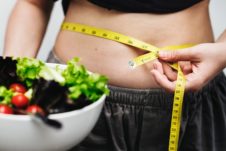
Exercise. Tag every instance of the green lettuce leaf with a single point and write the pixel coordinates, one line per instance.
(28, 69)
(80, 82)
(5, 95)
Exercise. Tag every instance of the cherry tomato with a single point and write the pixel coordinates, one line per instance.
(5, 109)
(35, 109)
(17, 87)
(20, 100)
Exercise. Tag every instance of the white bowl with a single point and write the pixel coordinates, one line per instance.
(23, 133)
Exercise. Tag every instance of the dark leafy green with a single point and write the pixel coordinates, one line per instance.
(8, 71)
(50, 95)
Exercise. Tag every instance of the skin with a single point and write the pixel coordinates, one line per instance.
(107, 57)
(203, 66)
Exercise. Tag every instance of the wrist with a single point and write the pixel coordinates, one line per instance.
(222, 46)
(18, 53)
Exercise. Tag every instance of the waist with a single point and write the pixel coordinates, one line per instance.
(111, 58)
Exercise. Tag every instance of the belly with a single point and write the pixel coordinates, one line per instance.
(111, 58)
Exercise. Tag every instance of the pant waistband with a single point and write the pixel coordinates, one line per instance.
(140, 97)
(159, 97)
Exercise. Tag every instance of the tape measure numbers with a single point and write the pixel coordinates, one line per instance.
(151, 55)
(177, 110)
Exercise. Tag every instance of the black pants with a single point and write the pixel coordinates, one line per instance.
(139, 120)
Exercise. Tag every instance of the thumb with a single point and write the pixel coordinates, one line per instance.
(178, 55)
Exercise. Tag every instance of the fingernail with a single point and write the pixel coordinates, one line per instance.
(163, 54)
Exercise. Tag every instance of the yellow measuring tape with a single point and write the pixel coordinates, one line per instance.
(151, 55)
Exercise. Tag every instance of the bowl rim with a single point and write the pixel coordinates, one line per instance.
(57, 115)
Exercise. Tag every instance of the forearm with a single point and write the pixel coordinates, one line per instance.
(26, 28)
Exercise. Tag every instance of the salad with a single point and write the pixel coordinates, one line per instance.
(30, 86)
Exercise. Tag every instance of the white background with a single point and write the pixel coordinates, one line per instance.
(217, 13)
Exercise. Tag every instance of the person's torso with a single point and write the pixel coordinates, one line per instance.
(190, 25)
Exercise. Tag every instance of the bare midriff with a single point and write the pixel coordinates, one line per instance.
(111, 58)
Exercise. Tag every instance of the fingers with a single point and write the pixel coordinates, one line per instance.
(161, 79)
(169, 72)
(192, 83)
(158, 66)
(166, 77)
(164, 68)
(179, 55)
(186, 67)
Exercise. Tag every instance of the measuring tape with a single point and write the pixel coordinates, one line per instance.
(151, 55)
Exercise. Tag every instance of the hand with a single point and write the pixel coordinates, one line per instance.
(207, 60)
(170, 73)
